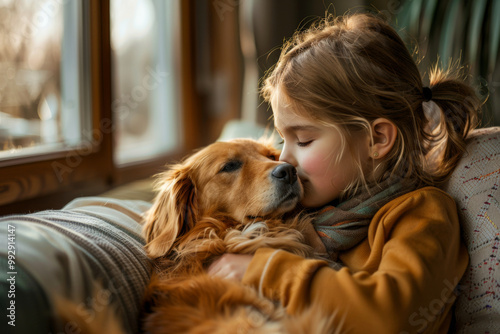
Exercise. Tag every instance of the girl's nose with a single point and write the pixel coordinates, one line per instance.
(287, 156)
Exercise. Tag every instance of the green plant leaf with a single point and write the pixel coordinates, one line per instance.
(415, 11)
(428, 17)
(402, 21)
(494, 35)
(447, 31)
(478, 11)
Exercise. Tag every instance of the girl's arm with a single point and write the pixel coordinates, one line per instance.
(412, 262)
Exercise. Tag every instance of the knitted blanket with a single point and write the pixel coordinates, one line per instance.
(66, 252)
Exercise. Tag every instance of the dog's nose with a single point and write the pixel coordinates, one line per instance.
(285, 173)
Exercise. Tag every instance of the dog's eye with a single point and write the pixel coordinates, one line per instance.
(272, 157)
(231, 166)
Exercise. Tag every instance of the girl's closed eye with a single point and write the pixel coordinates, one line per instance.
(304, 143)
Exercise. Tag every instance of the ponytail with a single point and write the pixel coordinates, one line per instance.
(460, 107)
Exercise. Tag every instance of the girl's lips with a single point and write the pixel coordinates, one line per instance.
(306, 185)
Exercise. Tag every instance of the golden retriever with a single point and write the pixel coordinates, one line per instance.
(229, 197)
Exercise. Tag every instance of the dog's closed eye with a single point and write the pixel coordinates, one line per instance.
(231, 166)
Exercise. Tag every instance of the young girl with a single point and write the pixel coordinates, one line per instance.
(369, 143)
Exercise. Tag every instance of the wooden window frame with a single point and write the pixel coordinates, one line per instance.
(50, 181)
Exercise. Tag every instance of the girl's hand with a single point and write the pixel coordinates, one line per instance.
(230, 266)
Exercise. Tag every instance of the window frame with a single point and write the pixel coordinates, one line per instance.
(51, 180)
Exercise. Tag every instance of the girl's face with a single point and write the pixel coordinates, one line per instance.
(314, 150)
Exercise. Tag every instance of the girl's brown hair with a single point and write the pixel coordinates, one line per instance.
(348, 71)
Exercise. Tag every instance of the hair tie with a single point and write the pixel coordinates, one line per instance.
(427, 94)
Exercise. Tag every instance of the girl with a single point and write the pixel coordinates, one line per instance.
(369, 143)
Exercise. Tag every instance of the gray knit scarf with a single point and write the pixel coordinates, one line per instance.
(343, 226)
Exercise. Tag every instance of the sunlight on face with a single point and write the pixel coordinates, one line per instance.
(324, 167)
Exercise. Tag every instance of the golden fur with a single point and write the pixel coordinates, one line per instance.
(229, 197)
(96, 315)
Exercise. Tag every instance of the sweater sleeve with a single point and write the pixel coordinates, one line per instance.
(407, 284)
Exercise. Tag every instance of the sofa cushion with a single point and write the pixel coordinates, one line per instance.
(474, 184)
(62, 254)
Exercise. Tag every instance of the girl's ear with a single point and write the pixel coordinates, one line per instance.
(384, 134)
(173, 212)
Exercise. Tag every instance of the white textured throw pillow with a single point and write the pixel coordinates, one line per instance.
(475, 186)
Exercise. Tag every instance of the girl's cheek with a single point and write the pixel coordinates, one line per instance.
(313, 164)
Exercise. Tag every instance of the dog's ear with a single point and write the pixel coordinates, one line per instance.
(174, 211)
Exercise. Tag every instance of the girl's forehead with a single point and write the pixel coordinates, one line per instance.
(283, 111)
(279, 99)
(286, 119)
(289, 115)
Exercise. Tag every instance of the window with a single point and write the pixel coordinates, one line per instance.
(144, 105)
(90, 96)
(43, 90)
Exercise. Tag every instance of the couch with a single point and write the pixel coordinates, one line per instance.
(97, 240)
(474, 185)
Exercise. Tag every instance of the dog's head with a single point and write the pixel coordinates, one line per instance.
(241, 179)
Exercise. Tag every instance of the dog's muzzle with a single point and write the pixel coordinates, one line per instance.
(287, 188)
(285, 173)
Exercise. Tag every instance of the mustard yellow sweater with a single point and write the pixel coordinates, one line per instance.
(400, 279)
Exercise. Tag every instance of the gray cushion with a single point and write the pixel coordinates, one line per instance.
(66, 251)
